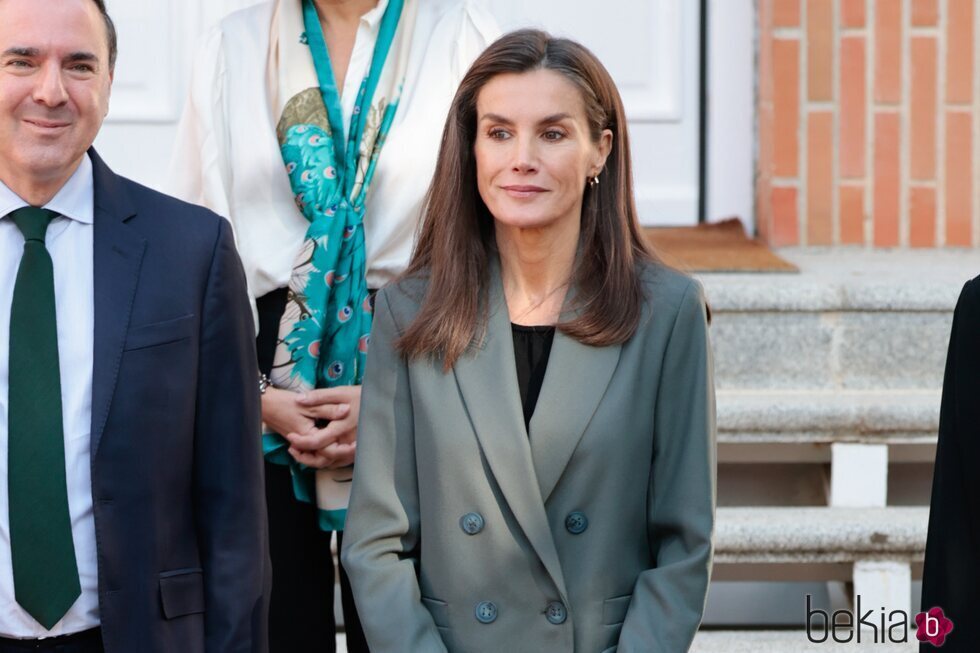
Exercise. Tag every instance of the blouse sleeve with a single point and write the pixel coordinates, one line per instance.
(478, 30)
(200, 171)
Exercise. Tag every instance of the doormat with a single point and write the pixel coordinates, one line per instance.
(717, 247)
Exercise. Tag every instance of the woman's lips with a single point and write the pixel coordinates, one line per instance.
(523, 192)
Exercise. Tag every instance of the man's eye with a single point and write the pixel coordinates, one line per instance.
(19, 63)
(83, 68)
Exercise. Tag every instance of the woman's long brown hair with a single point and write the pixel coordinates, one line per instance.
(456, 239)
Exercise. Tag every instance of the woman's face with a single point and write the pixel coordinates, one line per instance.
(534, 150)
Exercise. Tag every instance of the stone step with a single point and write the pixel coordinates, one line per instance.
(761, 641)
(850, 320)
(789, 641)
(819, 535)
(823, 417)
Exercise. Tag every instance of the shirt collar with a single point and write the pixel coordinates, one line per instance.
(75, 200)
(373, 17)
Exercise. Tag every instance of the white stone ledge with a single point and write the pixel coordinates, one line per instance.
(816, 535)
(849, 280)
(786, 641)
(828, 416)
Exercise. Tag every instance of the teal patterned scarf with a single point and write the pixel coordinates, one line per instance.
(325, 330)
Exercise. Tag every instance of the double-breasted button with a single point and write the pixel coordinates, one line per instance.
(471, 523)
(486, 612)
(576, 522)
(556, 613)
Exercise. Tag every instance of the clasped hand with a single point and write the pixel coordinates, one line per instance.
(320, 425)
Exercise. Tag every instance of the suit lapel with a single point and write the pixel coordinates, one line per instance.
(575, 381)
(117, 253)
(488, 384)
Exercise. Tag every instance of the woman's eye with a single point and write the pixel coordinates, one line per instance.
(554, 135)
(498, 134)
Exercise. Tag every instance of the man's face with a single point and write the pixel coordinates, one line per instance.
(54, 86)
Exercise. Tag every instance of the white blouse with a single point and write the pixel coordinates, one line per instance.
(227, 155)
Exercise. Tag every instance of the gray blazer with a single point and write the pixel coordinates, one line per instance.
(466, 533)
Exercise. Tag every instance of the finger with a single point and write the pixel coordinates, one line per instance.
(315, 440)
(343, 455)
(317, 460)
(342, 431)
(326, 411)
(339, 395)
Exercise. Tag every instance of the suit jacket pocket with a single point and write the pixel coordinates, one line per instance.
(614, 610)
(160, 333)
(439, 611)
(182, 592)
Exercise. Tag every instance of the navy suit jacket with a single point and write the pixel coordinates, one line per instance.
(951, 575)
(177, 472)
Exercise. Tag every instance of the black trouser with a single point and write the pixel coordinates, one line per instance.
(89, 641)
(301, 614)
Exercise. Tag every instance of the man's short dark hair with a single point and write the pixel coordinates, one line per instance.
(110, 29)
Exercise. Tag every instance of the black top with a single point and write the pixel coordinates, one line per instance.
(532, 346)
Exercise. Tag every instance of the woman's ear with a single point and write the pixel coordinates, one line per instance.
(603, 148)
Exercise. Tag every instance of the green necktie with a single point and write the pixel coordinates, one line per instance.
(41, 547)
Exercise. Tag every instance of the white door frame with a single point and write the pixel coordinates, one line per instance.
(731, 116)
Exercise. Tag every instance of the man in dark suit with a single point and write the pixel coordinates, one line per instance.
(131, 508)
(951, 577)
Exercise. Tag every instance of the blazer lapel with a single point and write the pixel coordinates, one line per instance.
(117, 253)
(488, 383)
(575, 381)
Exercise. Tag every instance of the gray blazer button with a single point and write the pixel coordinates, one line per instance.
(576, 522)
(471, 523)
(556, 613)
(486, 612)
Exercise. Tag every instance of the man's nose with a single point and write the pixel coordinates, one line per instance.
(50, 89)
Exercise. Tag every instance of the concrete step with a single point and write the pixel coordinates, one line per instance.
(789, 641)
(850, 320)
(753, 641)
(819, 535)
(827, 416)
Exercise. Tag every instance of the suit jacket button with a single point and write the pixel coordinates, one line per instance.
(471, 523)
(556, 613)
(486, 612)
(576, 522)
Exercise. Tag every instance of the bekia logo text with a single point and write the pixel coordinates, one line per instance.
(875, 626)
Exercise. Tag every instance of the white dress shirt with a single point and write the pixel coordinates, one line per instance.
(69, 241)
(227, 155)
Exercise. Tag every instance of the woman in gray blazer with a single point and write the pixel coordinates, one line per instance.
(535, 467)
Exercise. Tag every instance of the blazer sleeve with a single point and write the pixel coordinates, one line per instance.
(381, 536)
(228, 476)
(668, 600)
(951, 574)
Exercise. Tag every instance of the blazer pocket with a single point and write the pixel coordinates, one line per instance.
(182, 592)
(160, 333)
(614, 610)
(439, 611)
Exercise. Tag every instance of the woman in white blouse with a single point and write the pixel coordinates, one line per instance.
(313, 126)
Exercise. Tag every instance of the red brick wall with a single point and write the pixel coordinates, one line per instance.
(869, 123)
